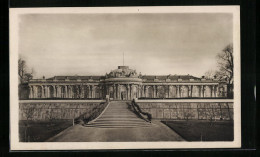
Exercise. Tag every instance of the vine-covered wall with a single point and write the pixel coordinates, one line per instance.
(54, 110)
(189, 110)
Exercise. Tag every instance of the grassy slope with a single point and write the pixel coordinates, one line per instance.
(39, 131)
(203, 130)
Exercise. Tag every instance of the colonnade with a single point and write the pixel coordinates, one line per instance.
(119, 91)
(182, 91)
(65, 91)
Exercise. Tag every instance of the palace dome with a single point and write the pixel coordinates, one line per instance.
(122, 71)
(123, 74)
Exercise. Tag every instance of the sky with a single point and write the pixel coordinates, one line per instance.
(94, 44)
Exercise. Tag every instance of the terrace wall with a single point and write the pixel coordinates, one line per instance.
(197, 109)
(55, 109)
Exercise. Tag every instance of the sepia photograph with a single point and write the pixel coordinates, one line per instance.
(125, 78)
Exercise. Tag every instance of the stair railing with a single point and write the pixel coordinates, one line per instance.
(92, 114)
(140, 113)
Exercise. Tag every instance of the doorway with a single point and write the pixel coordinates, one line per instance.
(123, 95)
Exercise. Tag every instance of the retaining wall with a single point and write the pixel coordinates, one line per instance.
(198, 109)
(55, 109)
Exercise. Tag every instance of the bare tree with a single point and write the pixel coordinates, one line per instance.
(23, 73)
(226, 64)
(210, 74)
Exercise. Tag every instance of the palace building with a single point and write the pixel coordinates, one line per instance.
(125, 84)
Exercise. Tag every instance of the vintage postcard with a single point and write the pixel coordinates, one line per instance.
(125, 78)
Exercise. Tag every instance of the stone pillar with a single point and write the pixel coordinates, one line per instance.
(65, 91)
(30, 92)
(58, 91)
(180, 88)
(178, 91)
(43, 92)
(154, 91)
(35, 92)
(202, 91)
(168, 96)
(128, 92)
(213, 91)
(140, 90)
(189, 91)
(46, 91)
(119, 92)
(170, 89)
(144, 94)
(69, 91)
(131, 90)
(216, 91)
(225, 90)
(114, 91)
(54, 91)
(90, 91)
(83, 91)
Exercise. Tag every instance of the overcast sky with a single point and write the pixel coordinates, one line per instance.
(93, 44)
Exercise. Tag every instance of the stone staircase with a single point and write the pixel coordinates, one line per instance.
(117, 115)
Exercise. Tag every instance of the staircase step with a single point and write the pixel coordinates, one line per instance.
(117, 115)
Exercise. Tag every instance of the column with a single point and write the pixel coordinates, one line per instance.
(202, 91)
(178, 91)
(93, 91)
(30, 92)
(180, 88)
(35, 92)
(114, 91)
(43, 92)
(69, 91)
(168, 91)
(90, 91)
(58, 91)
(128, 92)
(213, 91)
(65, 91)
(82, 91)
(154, 91)
(47, 91)
(189, 91)
(143, 91)
(54, 91)
(217, 89)
(119, 92)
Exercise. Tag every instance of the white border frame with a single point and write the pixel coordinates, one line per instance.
(14, 137)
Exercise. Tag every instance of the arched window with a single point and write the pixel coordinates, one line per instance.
(161, 92)
(150, 92)
(97, 92)
(51, 91)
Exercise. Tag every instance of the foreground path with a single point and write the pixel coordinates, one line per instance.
(117, 124)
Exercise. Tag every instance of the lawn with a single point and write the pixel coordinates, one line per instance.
(201, 130)
(39, 131)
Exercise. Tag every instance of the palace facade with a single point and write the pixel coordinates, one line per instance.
(125, 84)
